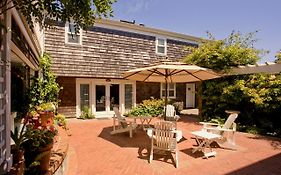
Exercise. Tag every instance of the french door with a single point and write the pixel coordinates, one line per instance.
(106, 97)
(100, 96)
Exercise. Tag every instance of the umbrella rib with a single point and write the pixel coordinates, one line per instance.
(152, 72)
(132, 74)
(174, 72)
(158, 72)
(193, 75)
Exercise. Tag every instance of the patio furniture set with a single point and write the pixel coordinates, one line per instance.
(165, 135)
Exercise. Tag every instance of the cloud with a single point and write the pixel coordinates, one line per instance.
(135, 6)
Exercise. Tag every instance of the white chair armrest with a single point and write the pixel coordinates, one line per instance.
(220, 129)
(208, 123)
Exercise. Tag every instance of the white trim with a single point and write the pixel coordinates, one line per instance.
(18, 53)
(163, 95)
(165, 45)
(20, 24)
(80, 34)
(271, 68)
(93, 82)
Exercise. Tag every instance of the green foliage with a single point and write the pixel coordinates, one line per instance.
(220, 55)
(47, 107)
(152, 107)
(60, 120)
(278, 57)
(256, 96)
(19, 137)
(86, 113)
(44, 89)
(82, 12)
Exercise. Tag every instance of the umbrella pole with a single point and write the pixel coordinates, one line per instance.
(166, 94)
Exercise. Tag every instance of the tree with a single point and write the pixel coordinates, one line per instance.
(220, 55)
(82, 12)
(44, 89)
(256, 96)
(278, 57)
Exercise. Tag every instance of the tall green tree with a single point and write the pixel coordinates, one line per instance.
(220, 55)
(278, 57)
(256, 96)
(82, 12)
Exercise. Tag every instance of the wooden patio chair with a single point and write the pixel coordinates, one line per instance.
(227, 131)
(120, 124)
(171, 114)
(164, 139)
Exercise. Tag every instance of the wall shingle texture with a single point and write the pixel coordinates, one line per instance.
(105, 53)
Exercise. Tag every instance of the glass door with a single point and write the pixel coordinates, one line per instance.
(114, 96)
(84, 97)
(100, 98)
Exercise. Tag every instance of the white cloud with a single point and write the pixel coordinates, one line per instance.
(135, 6)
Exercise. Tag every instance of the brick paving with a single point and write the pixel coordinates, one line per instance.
(93, 151)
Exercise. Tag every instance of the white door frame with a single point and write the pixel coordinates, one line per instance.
(92, 88)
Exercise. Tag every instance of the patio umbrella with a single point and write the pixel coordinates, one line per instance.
(170, 72)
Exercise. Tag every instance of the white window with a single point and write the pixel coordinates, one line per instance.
(161, 46)
(171, 93)
(71, 36)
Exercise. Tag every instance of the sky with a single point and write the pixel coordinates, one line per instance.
(220, 17)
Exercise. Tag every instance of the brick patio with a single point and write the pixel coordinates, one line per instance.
(92, 150)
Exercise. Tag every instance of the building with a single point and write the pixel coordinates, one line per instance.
(89, 65)
(20, 51)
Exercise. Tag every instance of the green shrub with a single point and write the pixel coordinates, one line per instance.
(86, 113)
(151, 107)
(60, 120)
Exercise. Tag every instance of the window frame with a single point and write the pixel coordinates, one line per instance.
(174, 89)
(165, 45)
(67, 33)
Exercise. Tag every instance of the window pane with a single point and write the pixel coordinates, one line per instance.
(128, 96)
(163, 86)
(84, 97)
(171, 86)
(160, 49)
(71, 28)
(100, 98)
(73, 38)
(171, 93)
(161, 42)
(114, 96)
(163, 93)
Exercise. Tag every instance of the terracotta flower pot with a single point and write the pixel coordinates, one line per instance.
(45, 156)
(47, 118)
(42, 155)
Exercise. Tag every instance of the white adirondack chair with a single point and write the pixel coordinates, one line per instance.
(171, 114)
(121, 125)
(164, 139)
(226, 131)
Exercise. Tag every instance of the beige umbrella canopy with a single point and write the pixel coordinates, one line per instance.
(170, 72)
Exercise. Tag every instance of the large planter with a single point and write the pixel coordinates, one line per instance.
(42, 155)
(18, 162)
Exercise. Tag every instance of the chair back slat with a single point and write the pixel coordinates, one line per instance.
(164, 135)
(121, 119)
(230, 120)
(170, 111)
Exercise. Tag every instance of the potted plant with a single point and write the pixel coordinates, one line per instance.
(60, 120)
(46, 112)
(19, 138)
(40, 140)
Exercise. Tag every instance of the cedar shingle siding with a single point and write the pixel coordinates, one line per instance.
(105, 53)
